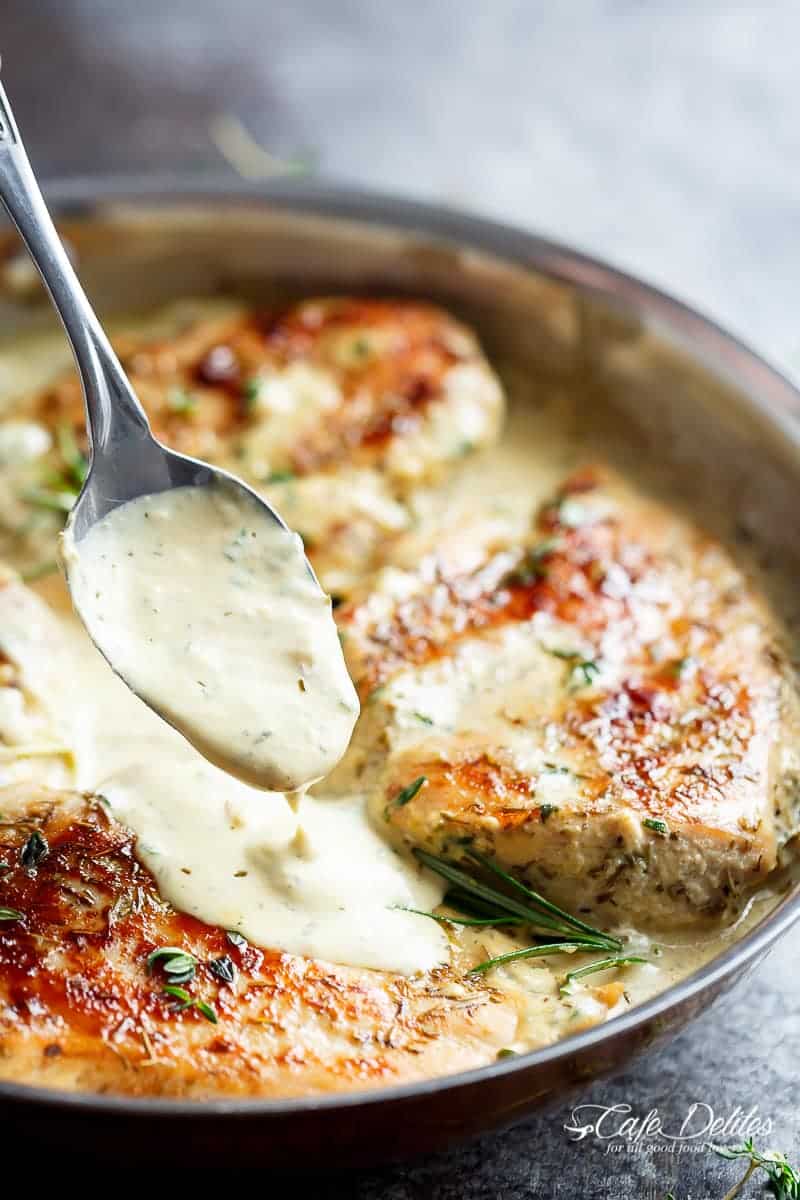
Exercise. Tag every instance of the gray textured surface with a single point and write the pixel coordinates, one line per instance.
(662, 135)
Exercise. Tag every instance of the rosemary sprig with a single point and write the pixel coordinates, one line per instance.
(516, 904)
(784, 1180)
(10, 914)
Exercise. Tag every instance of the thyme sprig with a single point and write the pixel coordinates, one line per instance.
(185, 1000)
(784, 1180)
(483, 903)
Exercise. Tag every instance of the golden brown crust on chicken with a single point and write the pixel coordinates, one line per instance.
(619, 697)
(79, 1009)
(382, 368)
(336, 408)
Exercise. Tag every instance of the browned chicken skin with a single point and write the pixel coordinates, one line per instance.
(653, 710)
(79, 1008)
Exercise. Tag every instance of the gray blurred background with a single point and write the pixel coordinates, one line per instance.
(664, 136)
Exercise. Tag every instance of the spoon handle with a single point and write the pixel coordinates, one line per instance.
(112, 410)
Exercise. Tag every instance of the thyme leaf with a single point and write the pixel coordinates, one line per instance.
(178, 965)
(185, 1000)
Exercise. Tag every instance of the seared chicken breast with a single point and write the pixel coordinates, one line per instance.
(334, 407)
(596, 709)
(83, 1004)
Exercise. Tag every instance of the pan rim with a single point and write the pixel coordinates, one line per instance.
(762, 386)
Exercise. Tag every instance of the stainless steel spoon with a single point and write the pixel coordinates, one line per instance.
(126, 461)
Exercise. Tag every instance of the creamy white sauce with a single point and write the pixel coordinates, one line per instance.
(207, 609)
(319, 882)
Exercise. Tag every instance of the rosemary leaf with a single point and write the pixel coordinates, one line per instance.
(407, 794)
(540, 951)
(602, 964)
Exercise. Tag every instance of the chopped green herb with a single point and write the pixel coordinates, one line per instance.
(280, 477)
(236, 939)
(178, 965)
(656, 826)
(75, 461)
(532, 565)
(31, 574)
(33, 851)
(547, 810)
(251, 390)
(584, 670)
(181, 401)
(681, 667)
(57, 501)
(423, 719)
(10, 914)
(506, 1053)
(587, 670)
(407, 794)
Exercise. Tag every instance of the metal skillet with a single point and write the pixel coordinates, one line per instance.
(690, 393)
